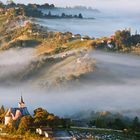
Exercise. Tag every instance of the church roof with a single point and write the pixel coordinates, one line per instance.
(24, 111)
(17, 113)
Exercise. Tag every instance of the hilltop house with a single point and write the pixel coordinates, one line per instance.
(85, 38)
(15, 114)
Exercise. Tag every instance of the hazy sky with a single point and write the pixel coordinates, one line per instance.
(132, 5)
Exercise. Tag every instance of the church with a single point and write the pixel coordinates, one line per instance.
(15, 114)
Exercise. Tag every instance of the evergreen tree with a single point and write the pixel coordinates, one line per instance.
(118, 124)
(49, 14)
(63, 15)
(136, 124)
(80, 15)
(2, 110)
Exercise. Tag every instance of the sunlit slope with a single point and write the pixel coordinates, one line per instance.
(31, 54)
(55, 70)
(21, 65)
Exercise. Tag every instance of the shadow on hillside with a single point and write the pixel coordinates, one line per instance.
(26, 43)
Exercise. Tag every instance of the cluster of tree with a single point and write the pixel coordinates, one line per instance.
(46, 6)
(43, 118)
(13, 13)
(30, 10)
(118, 123)
(24, 11)
(49, 15)
(12, 4)
(121, 40)
(34, 10)
(40, 118)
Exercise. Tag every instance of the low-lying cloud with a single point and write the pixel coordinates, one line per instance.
(14, 61)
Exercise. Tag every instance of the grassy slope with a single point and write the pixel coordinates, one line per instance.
(49, 46)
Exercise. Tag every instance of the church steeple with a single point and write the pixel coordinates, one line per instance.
(21, 103)
(21, 99)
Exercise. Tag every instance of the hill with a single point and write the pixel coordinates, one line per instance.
(40, 57)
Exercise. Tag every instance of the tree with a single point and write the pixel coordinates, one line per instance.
(2, 113)
(118, 124)
(66, 123)
(2, 110)
(52, 6)
(63, 15)
(80, 15)
(100, 123)
(24, 125)
(75, 16)
(49, 14)
(43, 118)
(52, 120)
(46, 5)
(122, 39)
(136, 124)
(135, 39)
(50, 117)
(40, 116)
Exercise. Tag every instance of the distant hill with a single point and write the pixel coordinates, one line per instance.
(84, 8)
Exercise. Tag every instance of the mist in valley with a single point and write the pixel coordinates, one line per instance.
(102, 82)
(112, 85)
(13, 63)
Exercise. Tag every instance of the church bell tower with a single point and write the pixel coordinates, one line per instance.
(21, 103)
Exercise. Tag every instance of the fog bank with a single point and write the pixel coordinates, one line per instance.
(14, 62)
(113, 86)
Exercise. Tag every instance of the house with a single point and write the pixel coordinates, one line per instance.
(85, 38)
(15, 114)
(77, 36)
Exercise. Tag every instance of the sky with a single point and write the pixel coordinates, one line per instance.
(129, 5)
